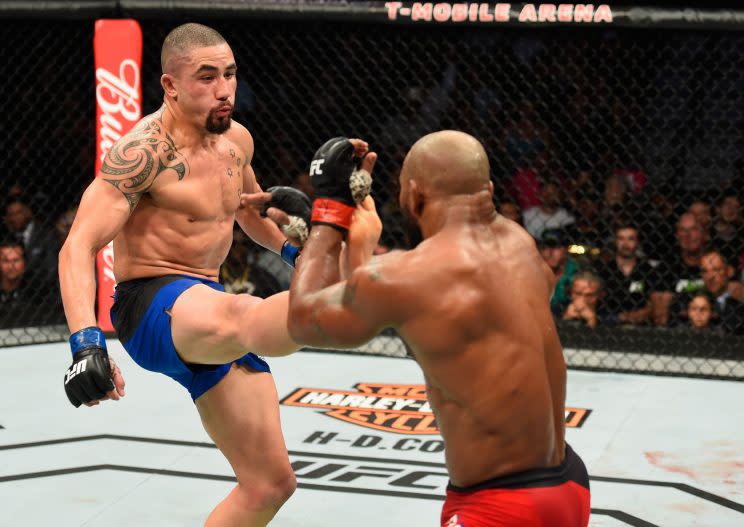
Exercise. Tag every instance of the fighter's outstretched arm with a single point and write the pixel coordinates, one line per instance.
(329, 313)
(325, 310)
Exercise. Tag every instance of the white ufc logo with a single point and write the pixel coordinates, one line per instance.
(78, 367)
(315, 166)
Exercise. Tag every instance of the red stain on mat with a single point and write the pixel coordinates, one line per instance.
(657, 459)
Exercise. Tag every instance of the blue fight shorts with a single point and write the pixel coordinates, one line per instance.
(141, 317)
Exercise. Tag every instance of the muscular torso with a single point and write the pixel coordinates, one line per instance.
(183, 219)
(480, 327)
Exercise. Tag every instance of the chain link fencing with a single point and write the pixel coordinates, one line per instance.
(47, 157)
(619, 150)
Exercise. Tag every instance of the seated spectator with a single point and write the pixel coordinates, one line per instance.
(717, 277)
(24, 302)
(509, 209)
(728, 229)
(554, 250)
(702, 211)
(240, 272)
(586, 293)
(15, 301)
(700, 314)
(549, 214)
(628, 279)
(39, 240)
(680, 277)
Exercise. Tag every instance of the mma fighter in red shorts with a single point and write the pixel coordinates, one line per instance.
(472, 303)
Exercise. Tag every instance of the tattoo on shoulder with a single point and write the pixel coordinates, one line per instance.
(137, 159)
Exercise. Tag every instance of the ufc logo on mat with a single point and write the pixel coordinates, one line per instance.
(315, 166)
(76, 368)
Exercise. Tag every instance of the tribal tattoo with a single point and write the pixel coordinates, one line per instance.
(140, 157)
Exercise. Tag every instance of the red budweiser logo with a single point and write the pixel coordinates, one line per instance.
(118, 55)
(118, 98)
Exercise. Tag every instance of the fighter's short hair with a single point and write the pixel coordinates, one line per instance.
(186, 37)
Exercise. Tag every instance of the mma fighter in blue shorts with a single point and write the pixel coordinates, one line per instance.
(168, 195)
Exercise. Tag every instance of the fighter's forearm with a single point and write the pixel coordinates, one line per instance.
(263, 231)
(317, 268)
(78, 286)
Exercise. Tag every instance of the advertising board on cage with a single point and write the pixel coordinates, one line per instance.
(118, 60)
(499, 12)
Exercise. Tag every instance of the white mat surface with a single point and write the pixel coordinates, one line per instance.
(661, 451)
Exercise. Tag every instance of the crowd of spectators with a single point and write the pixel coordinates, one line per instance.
(29, 290)
(612, 269)
(622, 203)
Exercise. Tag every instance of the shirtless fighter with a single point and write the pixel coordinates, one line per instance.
(168, 195)
(472, 302)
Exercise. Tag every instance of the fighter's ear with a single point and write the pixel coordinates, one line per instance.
(166, 81)
(417, 198)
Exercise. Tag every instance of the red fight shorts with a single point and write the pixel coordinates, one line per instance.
(555, 497)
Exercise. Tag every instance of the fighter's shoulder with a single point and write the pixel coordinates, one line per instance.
(517, 231)
(134, 161)
(393, 269)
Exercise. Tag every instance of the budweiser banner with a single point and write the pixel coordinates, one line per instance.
(118, 57)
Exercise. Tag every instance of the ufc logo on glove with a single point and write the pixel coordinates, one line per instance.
(315, 166)
(78, 367)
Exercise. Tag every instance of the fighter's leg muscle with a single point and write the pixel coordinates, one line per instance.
(241, 415)
(211, 327)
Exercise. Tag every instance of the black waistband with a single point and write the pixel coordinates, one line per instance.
(136, 283)
(572, 469)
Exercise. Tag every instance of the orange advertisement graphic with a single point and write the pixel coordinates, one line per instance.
(399, 408)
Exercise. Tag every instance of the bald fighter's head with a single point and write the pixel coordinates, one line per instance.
(444, 171)
(447, 163)
(183, 39)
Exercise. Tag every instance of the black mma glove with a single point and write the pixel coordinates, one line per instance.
(298, 207)
(338, 186)
(89, 376)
